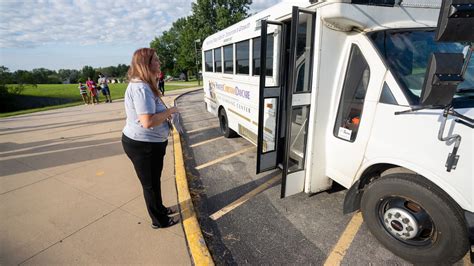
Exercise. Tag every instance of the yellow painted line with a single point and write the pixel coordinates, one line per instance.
(200, 129)
(467, 260)
(244, 198)
(197, 245)
(199, 121)
(223, 158)
(206, 141)
(100, 173)
(194, 114)
(339, 250)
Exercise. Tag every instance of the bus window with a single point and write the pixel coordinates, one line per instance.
(208, 60)
(242, 57)
(353, 96)
(256, 56)
(218, 60)
(229, 59)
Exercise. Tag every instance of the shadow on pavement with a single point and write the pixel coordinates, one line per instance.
(58, 125)
(44, 146)
(111, 147)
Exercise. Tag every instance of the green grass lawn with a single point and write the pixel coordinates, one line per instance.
(71, 92)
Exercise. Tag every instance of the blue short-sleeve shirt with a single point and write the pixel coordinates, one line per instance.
(139, 99)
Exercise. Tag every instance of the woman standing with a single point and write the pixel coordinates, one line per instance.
(145, 134)
(93, 90)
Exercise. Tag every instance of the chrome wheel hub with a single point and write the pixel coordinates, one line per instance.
(400, 223)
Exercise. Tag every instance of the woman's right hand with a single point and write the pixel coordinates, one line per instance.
(172, 110)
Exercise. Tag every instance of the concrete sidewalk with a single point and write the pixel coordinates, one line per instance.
(69, 194)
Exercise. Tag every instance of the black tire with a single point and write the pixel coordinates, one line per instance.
(224, 125)
(388, 206)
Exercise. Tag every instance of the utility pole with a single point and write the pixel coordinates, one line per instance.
(196, 50)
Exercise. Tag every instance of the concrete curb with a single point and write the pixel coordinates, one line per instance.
(197, 246)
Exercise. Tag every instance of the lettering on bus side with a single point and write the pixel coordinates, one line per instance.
(227, 34)
(242, 107)
(231, 90)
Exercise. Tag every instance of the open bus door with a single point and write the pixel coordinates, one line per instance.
(270, 98)
(292, 116)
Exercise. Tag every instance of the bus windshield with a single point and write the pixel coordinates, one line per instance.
(407, 52)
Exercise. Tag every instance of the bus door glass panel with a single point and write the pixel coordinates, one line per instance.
(299, 127)
(269, 94)
(269, 55)
(298, 101)
(269, 118)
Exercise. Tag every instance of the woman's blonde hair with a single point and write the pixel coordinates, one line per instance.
(140, 68)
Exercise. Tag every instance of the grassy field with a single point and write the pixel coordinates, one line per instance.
(71, 93)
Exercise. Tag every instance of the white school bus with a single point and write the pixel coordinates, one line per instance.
(376, 95)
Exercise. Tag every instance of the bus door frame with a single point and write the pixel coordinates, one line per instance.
(293, 180)
(267, 160)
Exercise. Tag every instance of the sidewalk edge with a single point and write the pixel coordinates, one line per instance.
(197, 246)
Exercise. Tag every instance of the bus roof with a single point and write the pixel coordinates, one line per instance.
(250, 27)
(336, 14)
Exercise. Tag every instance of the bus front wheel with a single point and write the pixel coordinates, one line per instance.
(414, 219)
(224, 125)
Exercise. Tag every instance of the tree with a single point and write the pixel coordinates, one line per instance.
(185, 56)
(5, 76)
(74, 76)
(175, 47)
(40, 75)
(54, 79)
(87, 72)
(23, 77)
(64, 75)
(211, 16)
(68, 75)
(166, 48)
(122, 70)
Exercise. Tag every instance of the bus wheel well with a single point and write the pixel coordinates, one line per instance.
(354, 195)
(224, 123)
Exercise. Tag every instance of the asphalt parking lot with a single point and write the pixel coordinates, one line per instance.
(242, 217)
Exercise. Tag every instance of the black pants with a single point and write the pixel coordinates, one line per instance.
(161, 86)
(147, 159)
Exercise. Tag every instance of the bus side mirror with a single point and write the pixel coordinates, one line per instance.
(456, 21)
(443, 75)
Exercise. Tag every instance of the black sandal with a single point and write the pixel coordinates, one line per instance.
(170, 211)
(169, 223)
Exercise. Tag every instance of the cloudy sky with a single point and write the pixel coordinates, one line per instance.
(69, 34)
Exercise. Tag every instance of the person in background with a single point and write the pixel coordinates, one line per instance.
(146, 132)
(104, 85)
(83, 92)
(161, 83)
(92, 90)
